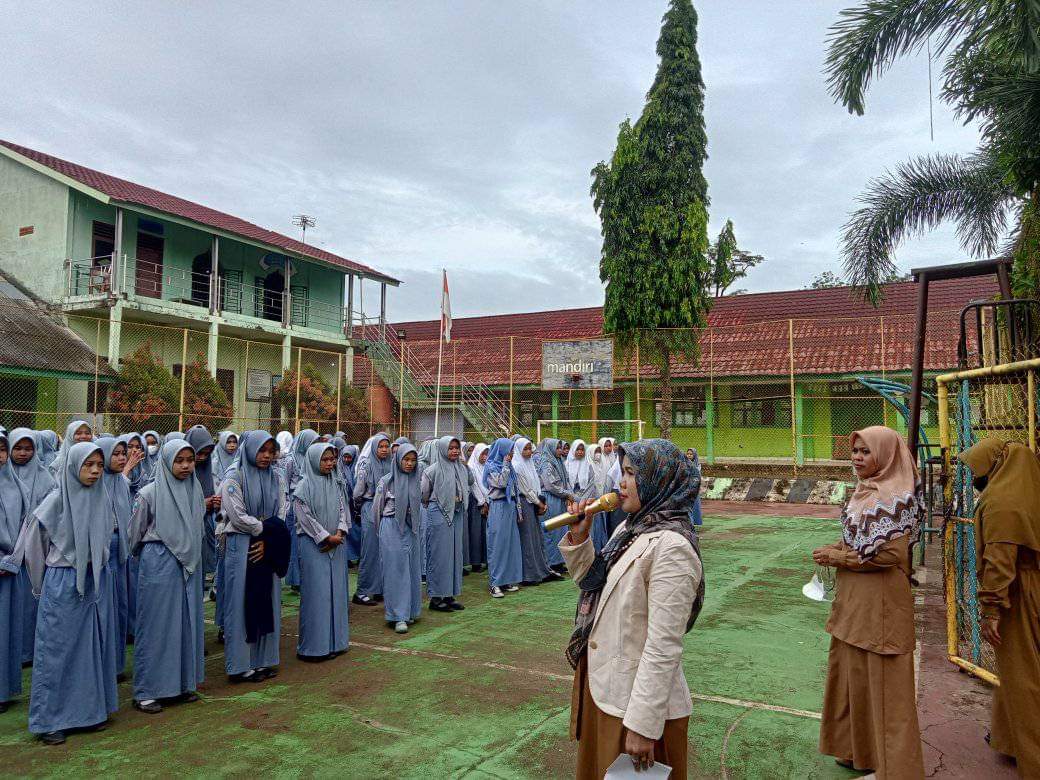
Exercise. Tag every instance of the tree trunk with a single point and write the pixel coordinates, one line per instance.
(1026, 271)
(666, 393)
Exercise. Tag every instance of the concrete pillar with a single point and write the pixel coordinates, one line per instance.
(115, 280)
(382, 310)
(286, 353)
(214, 278)
(115, 328)
(211, 351)
(348, 370)
(350, 307)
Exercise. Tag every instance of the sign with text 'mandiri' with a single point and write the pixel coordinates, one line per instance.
(578, 365)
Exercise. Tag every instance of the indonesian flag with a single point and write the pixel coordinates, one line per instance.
(445, 309)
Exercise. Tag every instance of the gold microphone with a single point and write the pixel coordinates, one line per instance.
(605, 503)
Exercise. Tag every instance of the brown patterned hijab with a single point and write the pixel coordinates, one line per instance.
(886, 504)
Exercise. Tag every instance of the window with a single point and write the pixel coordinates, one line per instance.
(689, 409)
(761, 406)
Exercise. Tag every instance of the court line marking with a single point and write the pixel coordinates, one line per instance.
(741, 703)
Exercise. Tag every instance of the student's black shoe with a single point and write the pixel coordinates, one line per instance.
(530, 583)
(246, 677)
(267, 673)
(554, 576)
(438, 605)
(151, 707)
(3, 706)
(559, 568)
(26, 664)
(455, 605)
(189, 697)
(129, 639)
(313, 659)
(362, 600)
(478, 568)
(212, 595)
(53, 738)
(379, 598)
(465, 572)
(220, 636)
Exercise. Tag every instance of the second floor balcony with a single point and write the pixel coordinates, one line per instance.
(257, 294)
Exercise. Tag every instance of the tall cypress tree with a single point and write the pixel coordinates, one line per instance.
(652, 200)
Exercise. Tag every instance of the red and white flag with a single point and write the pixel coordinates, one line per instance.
(445, 309)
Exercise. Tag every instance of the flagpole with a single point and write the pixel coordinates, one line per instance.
(440, 360)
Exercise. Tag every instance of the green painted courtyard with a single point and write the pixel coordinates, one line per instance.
(485, 693)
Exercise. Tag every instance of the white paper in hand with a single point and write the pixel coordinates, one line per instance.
(623, 769)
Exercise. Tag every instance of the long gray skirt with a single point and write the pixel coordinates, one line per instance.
(475, 538)
(550, 539)
(131, 595)
(324, 599)
(505, 564)
(74, 666)
(11, 604)
(169, 643)
(241, 656)
(218, 586)
(532, 548)
(402, 583)
(424, 555)
(29, 607)
(444, 552)
(119, 577)
(370, 575)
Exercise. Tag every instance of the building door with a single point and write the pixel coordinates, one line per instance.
(148, 281)
(102, 246)
(201, 270)
(273, 293)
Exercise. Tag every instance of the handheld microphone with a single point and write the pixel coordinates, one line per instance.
(605, 503)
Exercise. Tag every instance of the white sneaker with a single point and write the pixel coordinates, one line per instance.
(512, 588)
(401, 627)
(496, 592)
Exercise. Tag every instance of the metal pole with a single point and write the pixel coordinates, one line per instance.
(400, 391)
(97, 374)
(639, 400)
(794, 416)
(245, 393)
(884, 406)
(511, 428)
(339, 387)
(1004, 281)
(454, 383)
(437, 401)
(184, 376)
(350, 305)
(1031, 408)
(299, 377)
(917, 382)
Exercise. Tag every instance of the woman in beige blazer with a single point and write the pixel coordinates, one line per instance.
(639, 597)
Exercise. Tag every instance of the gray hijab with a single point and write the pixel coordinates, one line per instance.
(66, 444)
(220, 454)
(406, 489)
(13, 505)
(377, 469)
(179, 508)
(320, 492)
(118, 489)
(34, 476)
(449, 479)
(304, 439)
(78, 519)
(261, 490)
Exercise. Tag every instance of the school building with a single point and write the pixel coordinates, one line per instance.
(131, 268)
(779, 377)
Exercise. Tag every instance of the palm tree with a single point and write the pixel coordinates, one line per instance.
(991, 75)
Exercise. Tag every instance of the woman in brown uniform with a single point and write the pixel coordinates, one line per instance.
(1007, 551)
(869, 707)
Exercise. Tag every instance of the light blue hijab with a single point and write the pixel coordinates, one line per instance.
(78, 519)
(223, 458)
(118, 488)
(13, 504)
(179, 508)
(48, 441)
(407, 488)
(260, 488)
(36, 478)
(66, 444)
(301, 444)
(449, 479)
(320, 492)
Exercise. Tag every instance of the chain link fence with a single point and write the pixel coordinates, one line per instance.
(992, 401)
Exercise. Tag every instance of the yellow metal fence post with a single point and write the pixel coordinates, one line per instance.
(400, 390)
(794, 420)
(639, 400)
(245, 390)
(511, 428)
(97, 374)
(339, 388)
(184, 375)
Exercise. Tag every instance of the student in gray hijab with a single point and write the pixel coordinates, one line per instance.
(75, 432)
(322, 523)
(166, 534)
(118, 488)
(65, 547)
(201, 441)
(295, 468)
(13, 507)
(373, 464)
(396, 508)
(446, 486)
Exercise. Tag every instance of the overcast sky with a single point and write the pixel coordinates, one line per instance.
(460, 134)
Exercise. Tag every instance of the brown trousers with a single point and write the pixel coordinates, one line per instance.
(601, 737)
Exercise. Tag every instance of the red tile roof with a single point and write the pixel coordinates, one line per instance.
(137, 194)
(832, 332)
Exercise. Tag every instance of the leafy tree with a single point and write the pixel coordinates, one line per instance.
(729, 262)
(317, 399)
(828, 279)
(991, 75)
(205, 401)
(146, 394)
(652, 200)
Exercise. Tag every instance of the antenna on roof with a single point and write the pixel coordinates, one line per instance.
(304, 221)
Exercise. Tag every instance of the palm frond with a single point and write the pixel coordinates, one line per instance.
(918, 196)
